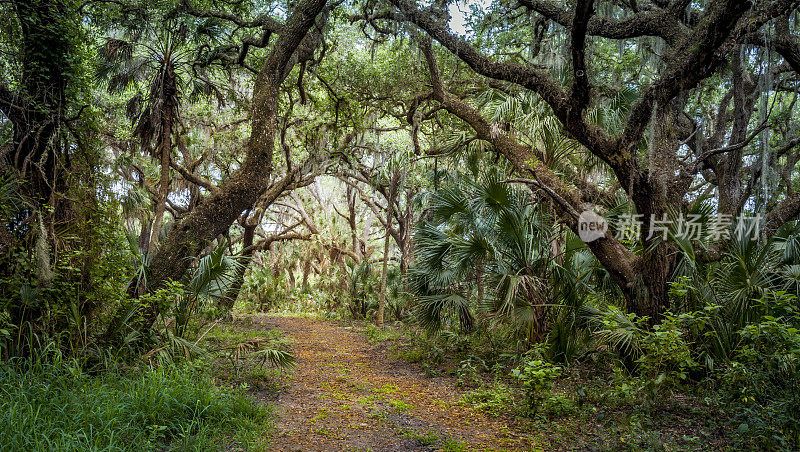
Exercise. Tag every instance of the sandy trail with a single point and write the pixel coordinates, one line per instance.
(349, 395)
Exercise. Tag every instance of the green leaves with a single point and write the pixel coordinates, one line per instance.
(485, 247)
(277, 358)
(214, 275)
(762, 379)
(536, 377)
(623, 332)
(431, 310)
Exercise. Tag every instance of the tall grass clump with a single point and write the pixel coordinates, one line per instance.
(52, 405)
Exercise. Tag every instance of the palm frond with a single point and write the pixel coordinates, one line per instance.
(214, 275)
(278, 358)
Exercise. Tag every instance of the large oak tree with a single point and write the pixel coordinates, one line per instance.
(664, 149)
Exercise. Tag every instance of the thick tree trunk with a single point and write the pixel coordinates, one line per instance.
(306, 272)
(729, 167)
(656, 267)
(352, 221)
(144, 236)
(405, 256)
(654, 192)
(366, 232)
(215, 214)
(163, 187)
(384, 269)
(404, 229)
(36, 110)
(292, 281)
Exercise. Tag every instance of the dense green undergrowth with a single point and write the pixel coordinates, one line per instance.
(663, 400)
(55, 406)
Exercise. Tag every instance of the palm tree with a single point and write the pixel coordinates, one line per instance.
(478, 234)
(171, 55)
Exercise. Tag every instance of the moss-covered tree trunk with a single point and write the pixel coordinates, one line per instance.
(215, 214)
(35, 108)
(165, 151)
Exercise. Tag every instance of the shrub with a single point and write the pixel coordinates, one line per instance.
(495, 398)
(469, 370)
(263, 290)
(559, 405)
(763, 380)
(536, 377)
(667, 358)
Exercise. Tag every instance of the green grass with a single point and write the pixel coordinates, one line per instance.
(323, 413)
(57, 407)
(376, 335)
(400, 405)
(245, 365)
(260, 378)
(452, 445)
(243, 331)
(426, 438)
(413, 355)
(386, 389)
(495, 399)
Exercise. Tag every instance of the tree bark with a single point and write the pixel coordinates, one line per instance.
(215, 214)
(696, 53)
(393, 183)
(352, 221)
(165, 151)
(36, 109)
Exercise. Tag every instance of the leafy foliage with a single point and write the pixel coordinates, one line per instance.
(51, 404)
(762, 380)
(536, 377)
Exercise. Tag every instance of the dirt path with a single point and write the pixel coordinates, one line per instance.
(348, 395)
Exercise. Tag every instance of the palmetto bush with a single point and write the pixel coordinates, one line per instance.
(263, 289)
(736, 319)
(731, 288)
(206, 286)
(364, 286)
(202, 295)
(486, 250)
(763, 379)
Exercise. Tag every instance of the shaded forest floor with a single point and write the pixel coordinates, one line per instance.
(359, 388)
